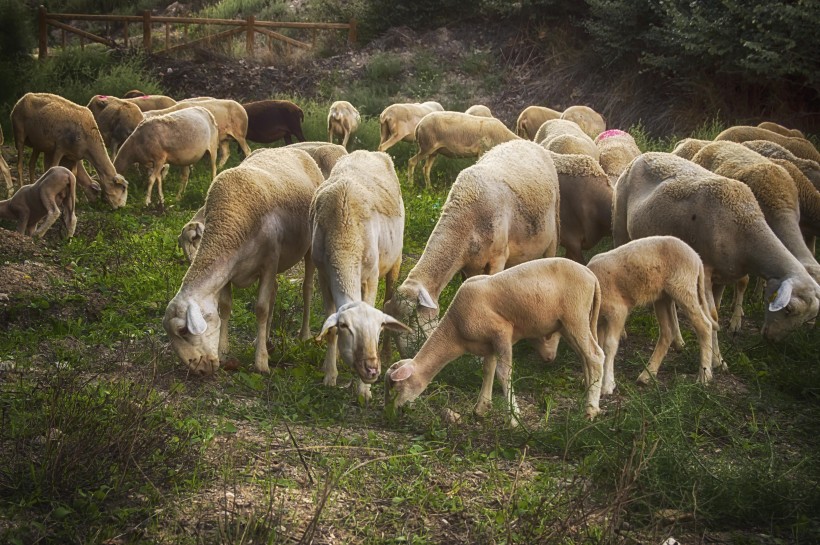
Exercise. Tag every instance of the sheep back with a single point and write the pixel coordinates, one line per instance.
(272, 120)
(590, 121)
(799, 146)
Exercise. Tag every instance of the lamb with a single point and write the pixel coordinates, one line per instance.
(780, 129)
(500, 212)
(66, 131)
(358, 227)
(4, 169)
(398, 122)
(191, 234)
(489, 314)
(454, 134)
(258, 227)
(590, 121)
(179, 138)
(531, 118)
(37, 206)
(563, 136)
(231, 121)
(148, 103)
(586, 203)
(116, 119)
(689, 147)
(272, 120)
(662, 194)
(662, 270)
(616, 150)
(479, 110)
(772, 150)
(324, 153)
(799, 146)
(342, 121)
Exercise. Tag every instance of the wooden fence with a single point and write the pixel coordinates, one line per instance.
(250, 27)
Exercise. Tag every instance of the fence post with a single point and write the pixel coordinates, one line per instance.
(42, 34)
(249, 44)
(146, 31)
(352, 34)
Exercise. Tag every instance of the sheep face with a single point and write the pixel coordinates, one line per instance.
(194, 334)
(791, 303)
(402, 385)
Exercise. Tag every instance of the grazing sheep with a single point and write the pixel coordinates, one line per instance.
(663, 194)
(489, 314)
(358, 228)
(564, 136)
(780, 129)
(772, 150)
(324, 153)
(661, 270)
(272, 120)
(4, 169)
(799, 146)
(191, 234)
(500, 212)
(454, 134)
(116, 119)
(66, 131)
(258, 227)
(479, 110)
(590, 121)
(42, 203)
(617, 149)
(342, 121)
(586, 203)
(689, 147)
(398, 122)
(180, 138)
(532, 118)
(148, 103)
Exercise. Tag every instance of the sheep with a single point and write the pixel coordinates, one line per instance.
(398, 122)
(489, 314)
(148, 103)
(531, 118)
(479, 110)
(258, 227)
(454, 134)
(689, 147)
(191, 234)
(799, 146)
(271, 120)
(662, 194)
(661, 270)
(586, 203)
(63, 130)
(231, 121)
(500, 212)
(4, 169)
(590, 121)
(342, 121)
(564, 136)
(180, 137)
(358, 227)
(780, 129)
(616, 150)
(116, 119)
(324, 153)
(42, 203)
(772, 150)
(134, 93)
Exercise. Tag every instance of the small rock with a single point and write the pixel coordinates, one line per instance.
(450, 416)
(7, 365)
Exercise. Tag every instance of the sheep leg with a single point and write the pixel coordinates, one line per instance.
(19, 141)
(186, 173)
(152, 176)
(389, 143)
(264, 302)
(307, 295)
(52, 216)
(390, 281)
(224, 152)
(485, 396)
(737, 305)
(576, 330)
(428, 167)
(664, 311)
(243, 145)
(22, 220)
(703, 329)
(504, 372)
(609, 335)
(224, 305)
(329, 134)
(329, 365)
(32, 166)
(411, 165)
(346, 138)
(713, 295)
(677, 341)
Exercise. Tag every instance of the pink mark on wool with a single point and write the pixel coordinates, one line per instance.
(102, 97)
(610, 133)
(144, 96)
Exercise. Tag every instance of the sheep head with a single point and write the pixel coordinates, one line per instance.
(402, 385)
(792, 302)
(115, 191)
(358, 326)
(194, 332)
(410, 302)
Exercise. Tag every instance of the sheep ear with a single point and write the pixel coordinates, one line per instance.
(331, 322)
(196, 321)
(402, 373)
(425, 300)
(388, 322)
(119, 179)
(781, 297)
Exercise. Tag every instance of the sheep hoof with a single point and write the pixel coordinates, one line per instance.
(645, 378)
(329, 380)
(734, 325)
(679, 343)
(482, 408)
(262, 367)
(705, 376)
(592, 412)
(608, 389)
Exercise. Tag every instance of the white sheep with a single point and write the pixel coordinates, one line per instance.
(64, 131)
(489, 314)
(4, 169)
(454, 134)
(398, 122)
(179, 138)
(659, 270)
(35, 207)
(358, 228)
(617, 149)
(479, 110)
(772, 150)
(567, 137)
(590, 121)
(342, 121)
(662, 194)
(116, 119)
(500, 212)
(324, 153)
(689, 147)
(780, 129)
(799, 146)
(258, 227)
(531, 118)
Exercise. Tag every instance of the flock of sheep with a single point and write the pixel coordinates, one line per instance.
(684, 226)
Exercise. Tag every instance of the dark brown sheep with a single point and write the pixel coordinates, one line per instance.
(270, 120)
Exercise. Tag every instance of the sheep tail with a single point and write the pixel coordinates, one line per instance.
(69, 204)
(709, 314)
(595, 311)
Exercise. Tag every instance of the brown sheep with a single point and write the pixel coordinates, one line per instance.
(799, 146)
(42, 203)
(116, 119)
(271, 120)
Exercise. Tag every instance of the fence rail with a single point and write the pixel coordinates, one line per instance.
(249, 26)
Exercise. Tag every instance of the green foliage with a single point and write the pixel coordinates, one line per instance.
(16, 29)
